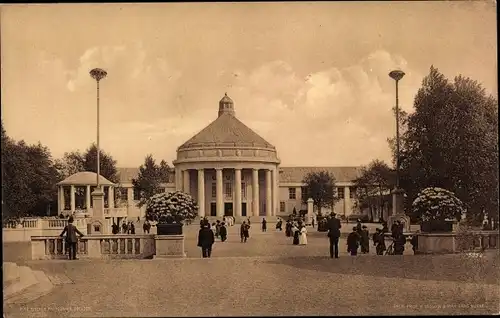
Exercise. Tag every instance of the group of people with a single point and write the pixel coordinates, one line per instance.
(127, 228)
(208, 233)
(297, 230)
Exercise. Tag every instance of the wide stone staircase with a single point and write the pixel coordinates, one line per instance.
(21, 284)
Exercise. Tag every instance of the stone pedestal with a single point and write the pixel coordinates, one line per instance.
(169, 246)
(398, 213)
(310, 210)
(97, 224)
(436, 243)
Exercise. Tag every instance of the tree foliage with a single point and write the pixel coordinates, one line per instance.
(29, 179)
(451, 142)
(373, 187)
(320, 186)
(149, 179)
(77, 161)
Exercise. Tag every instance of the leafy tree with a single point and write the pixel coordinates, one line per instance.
(76, 161)
(320, 186)
(451, 142)
(374, 186)
(150, 177)
(29, 179)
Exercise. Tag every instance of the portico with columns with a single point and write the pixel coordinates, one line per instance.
(229, 169)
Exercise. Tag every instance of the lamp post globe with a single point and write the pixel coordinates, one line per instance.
(397, 75)
(98, 74)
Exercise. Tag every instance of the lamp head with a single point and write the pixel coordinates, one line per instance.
(98, 74)
(397, 75)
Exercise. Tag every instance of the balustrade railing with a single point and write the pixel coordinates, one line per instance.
(120, 246)
(57, 223)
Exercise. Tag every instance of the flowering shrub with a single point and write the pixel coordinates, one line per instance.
(171, 207)
(437, 204)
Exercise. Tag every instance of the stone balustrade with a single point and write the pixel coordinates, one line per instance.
(120, 246)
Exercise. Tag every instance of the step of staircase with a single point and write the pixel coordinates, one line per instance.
(42, 286)
(26, 279)
(10, 274)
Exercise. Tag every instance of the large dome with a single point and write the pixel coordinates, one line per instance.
(226, 139)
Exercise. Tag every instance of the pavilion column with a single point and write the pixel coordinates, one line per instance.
(201, 193)
(219, 193)
(186, 181)
(178, 179)
(61, 199)
(72, 198)
(276, 197)
(237, 192)
(255, 191)
(87, 197)
(111, 197)
(269, 194)
(347, 201)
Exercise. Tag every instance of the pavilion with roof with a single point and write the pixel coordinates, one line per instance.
(229, 168)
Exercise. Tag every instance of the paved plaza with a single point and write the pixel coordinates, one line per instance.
(268, 276)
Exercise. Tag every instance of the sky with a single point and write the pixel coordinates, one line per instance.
(310, 78)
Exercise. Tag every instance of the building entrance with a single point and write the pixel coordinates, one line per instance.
(228, 209)
(213, 209)
(243, 209)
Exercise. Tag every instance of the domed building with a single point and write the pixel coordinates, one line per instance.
(231, 170)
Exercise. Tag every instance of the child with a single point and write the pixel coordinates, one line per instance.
(353, 242)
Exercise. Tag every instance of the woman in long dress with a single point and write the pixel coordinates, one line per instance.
(303, 236)
(296, 234)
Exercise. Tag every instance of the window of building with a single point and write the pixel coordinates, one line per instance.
(137, 194)
(214, 190)
(228, 190)
(282, 206)
(243, 190)
(340, 193)
(292, 193)
(305, 193)
(352, 192)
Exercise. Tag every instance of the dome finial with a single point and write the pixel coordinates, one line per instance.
(226, 106)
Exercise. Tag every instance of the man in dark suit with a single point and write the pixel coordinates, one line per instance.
(334, 235)
(71, 239)
(206, 239)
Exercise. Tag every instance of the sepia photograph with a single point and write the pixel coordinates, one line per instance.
(322, 158)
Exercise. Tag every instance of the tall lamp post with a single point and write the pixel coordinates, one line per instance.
(98, 223)
(98, 74)
(398, 194)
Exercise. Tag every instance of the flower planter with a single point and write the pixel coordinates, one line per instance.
(436, 226)
(169, 229)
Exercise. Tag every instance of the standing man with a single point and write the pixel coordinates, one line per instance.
(334, 227)
(71, 239)
(206, 239)
(264, 225)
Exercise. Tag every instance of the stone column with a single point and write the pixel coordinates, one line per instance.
(62, 202)
(186, 186)
(237, 193)
(72, 198)
(347, 201)
(310, 210)
(219, 193)
(269, 194)
(178, 179)
(130, 196)
(201, 193)
(276, 198)
(87, 197)
(111, 197)
(255, 192)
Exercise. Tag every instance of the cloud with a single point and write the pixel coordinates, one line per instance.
(336, 116)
